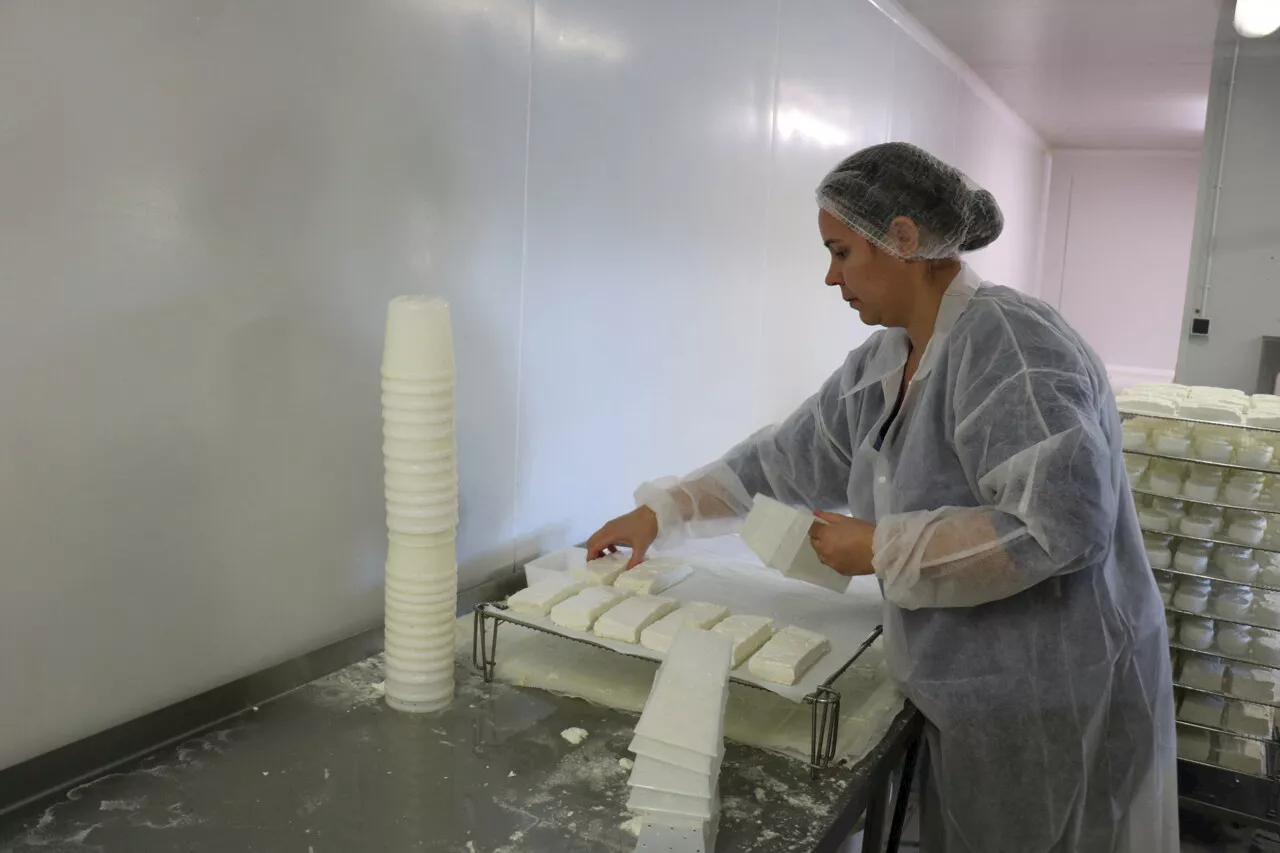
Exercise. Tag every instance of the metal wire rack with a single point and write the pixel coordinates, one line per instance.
(824, 701)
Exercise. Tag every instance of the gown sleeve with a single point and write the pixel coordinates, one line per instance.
(1027, 428)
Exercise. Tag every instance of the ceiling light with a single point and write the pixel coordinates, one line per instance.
(1257, 18)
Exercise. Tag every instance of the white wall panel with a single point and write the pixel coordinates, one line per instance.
(1124, 241)
(204, 209)
(648, 178)
(926, 97)
(1006, 159)
(824, 46)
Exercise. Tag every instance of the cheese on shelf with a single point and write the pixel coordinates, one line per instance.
(1246, 756)
(1202, 710)
(537, 600)
(787, 655)
(747, 632)
(654, 575)
(696, 614)
(581, 611)
(601, 572)
(1253, 682)
(628, 619)
(1249, 719)
(1201, 672)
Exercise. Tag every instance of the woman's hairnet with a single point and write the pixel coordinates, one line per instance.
(870, 189)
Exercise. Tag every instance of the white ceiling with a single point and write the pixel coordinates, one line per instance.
(1088, 73)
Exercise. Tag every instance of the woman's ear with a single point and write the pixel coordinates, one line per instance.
(903, 237)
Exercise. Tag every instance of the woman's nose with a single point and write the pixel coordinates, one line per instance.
(834, 279)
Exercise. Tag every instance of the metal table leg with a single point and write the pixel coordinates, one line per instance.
(873, 829)
(903, 795)
(873, 840)
(484, 643)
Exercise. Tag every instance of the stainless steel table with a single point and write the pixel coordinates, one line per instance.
(328, 767)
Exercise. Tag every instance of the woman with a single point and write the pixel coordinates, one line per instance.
(976, 445)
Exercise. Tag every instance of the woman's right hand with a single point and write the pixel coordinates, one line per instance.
(636, 530)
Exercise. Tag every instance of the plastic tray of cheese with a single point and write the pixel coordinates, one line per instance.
(729, 577)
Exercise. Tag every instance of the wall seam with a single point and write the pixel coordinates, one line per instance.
(1046, 202)
(1066, 240)
(524, 276)
(764, 403)
(1207, 284)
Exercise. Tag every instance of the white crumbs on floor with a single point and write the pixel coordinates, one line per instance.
(574, 735)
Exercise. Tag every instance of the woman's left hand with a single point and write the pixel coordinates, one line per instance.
(843, 543)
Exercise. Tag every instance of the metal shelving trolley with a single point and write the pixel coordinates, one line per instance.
(1208, 500)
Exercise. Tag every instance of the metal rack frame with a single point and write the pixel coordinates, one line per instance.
(1214, 653)
(1230, 620)
(1218, 579)
(1215, 785)
(1230, 466)
(1197, 422)
(1224, 694)
(1269, 740)
(823, 702)
(1150, 494)
(1179, 535)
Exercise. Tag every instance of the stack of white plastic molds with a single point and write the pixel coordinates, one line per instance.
(779, 535)
(679, 744)
(422, 503)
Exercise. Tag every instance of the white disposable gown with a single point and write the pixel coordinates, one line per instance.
(1021, 615)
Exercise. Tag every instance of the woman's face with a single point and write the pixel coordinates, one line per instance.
(871, 280)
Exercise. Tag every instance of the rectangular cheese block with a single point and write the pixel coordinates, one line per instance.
(1251, 682)
(1266, 608)
(537, 600)
(1146, 405)
(1193, 744)
(1266, 647)
(788, 654)
(698, 663)
(658, 775)
(601, 572)
(1202, 710)
(628, 619)
(696, 614)
(747, 632)
(1215, 392)
(1268, 420)
(1249, 719)
(581, 611)
(1246, 756)
(1202, 672)
(661, 803)
(707, 765)
(654, 576)
(809, 568)
(779, 535)
(686, 706)
(767, 530)
(1222, 413)
(673, 832)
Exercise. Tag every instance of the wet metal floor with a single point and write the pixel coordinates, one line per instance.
(329, 768)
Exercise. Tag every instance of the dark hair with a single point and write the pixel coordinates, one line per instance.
(987, 221)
